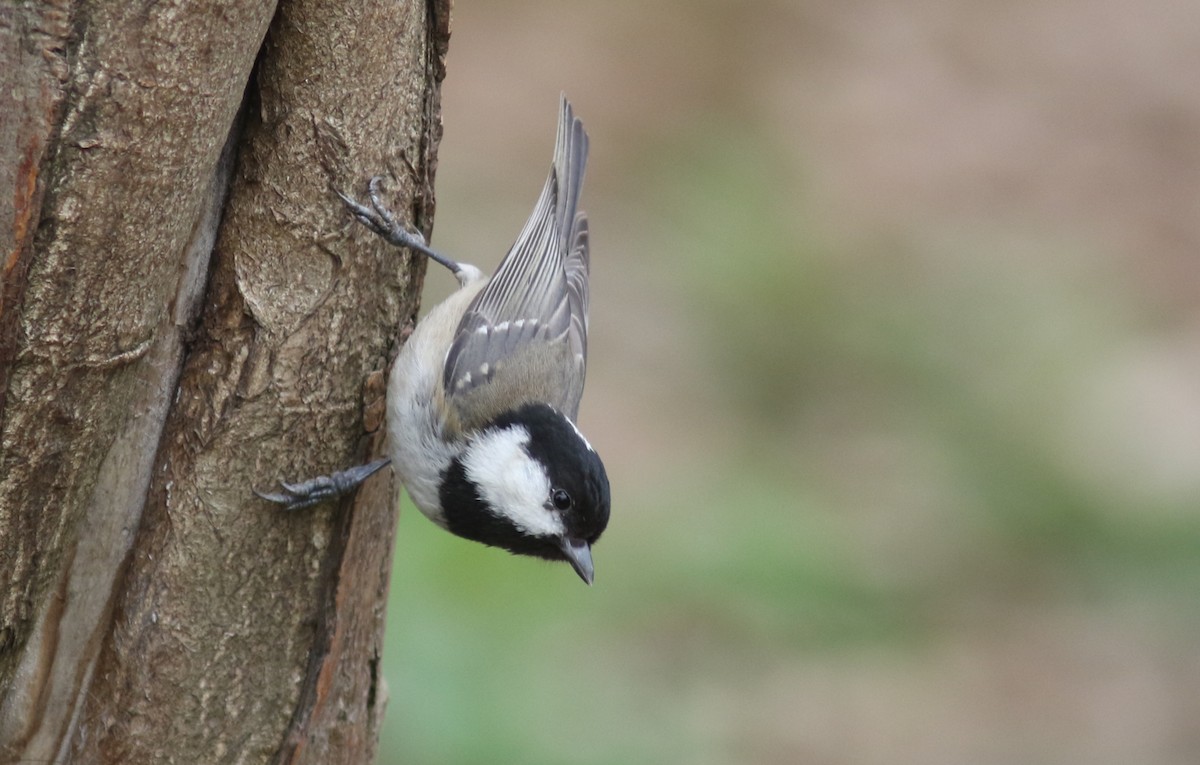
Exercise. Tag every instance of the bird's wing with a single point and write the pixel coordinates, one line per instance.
(524, 337)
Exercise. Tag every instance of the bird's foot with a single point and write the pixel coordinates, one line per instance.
(382, 221)
(297, 496)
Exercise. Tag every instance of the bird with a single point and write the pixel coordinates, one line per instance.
(483, 398)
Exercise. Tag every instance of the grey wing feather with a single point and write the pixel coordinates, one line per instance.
(524, 336)
(577, 288)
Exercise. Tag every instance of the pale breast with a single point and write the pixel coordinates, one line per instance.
(416, 430)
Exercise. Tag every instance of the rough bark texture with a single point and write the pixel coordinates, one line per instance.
(185, 313)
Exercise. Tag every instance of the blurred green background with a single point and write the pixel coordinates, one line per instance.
(895, 366)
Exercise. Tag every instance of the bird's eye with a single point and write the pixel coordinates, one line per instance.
(561, 499)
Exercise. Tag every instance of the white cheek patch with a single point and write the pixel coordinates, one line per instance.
(512, 483)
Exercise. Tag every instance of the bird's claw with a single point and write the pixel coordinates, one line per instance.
(380, 219)
(297, 496)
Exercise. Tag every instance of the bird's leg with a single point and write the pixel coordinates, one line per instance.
(380, 219)
(297, 496)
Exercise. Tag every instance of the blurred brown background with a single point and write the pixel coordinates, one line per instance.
(895, 366)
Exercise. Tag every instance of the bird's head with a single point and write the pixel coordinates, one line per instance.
(530, 483)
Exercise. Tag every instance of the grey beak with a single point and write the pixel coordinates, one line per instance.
(579, 553)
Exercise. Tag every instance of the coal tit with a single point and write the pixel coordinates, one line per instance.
(482, 399)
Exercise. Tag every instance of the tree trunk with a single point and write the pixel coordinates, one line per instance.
(186, 312)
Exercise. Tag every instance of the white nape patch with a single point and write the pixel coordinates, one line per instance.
(514, 484)
(581, 436)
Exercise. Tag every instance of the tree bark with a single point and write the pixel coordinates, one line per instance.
(186, 312)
